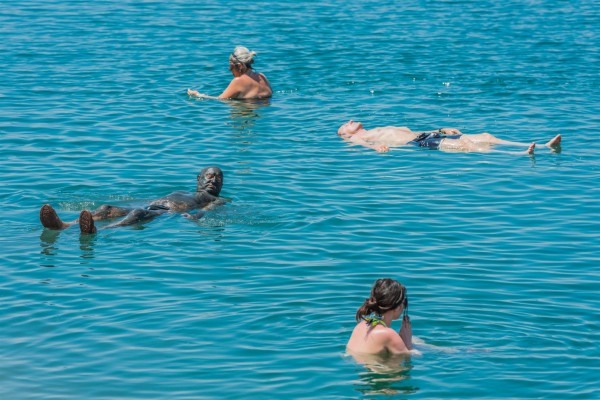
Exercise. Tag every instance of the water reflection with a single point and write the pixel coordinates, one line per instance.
(556, 149)
(384, 374)
(553, 150)
(213, 234)
(48, 240)
(244, 113)
(86, 245)
(49, 237)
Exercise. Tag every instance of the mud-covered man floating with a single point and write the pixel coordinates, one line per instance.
(210, 182)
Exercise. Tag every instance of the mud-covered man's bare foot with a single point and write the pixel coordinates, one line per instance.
(51, 220)
(86, 222)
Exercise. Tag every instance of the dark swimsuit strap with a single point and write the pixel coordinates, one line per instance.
(424, 135)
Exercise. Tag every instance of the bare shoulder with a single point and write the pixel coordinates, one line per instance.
(236, 87)
(238, 80)
(379, 334)
(387, 333)
(263, 78)
(393, 342)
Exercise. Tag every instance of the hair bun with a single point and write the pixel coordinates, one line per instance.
(244, 55)
(371, 302)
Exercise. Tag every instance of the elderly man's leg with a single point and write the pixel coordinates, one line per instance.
(491, 139)
(136, 216)
(464, 144)
(50, 219)
(107, 211)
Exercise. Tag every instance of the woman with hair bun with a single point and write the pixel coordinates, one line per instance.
(246, 83)
(373, 333)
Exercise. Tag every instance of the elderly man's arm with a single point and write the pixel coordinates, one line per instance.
(450, 131)
(194, 216)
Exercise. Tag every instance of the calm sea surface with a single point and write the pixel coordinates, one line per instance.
(500, 252)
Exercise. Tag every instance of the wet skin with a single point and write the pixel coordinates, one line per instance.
(208, 187)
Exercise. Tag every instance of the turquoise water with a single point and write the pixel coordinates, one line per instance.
(500, 253)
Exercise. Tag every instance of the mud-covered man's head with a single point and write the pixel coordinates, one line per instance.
(210, 180)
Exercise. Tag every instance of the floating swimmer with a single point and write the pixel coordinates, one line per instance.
(373, 333)
(445, 139)
(246, 83)
(210, 182)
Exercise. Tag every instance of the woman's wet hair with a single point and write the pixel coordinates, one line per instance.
(386, 294)
(242, 56)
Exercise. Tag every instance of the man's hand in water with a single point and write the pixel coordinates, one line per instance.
(194, 93)
(450, 131)
(193, 217)
(406, 332)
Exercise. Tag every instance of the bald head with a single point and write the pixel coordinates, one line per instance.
(350, 128)
(210, 180)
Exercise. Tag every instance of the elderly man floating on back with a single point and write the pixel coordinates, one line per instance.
(210, 182)
(445, 139)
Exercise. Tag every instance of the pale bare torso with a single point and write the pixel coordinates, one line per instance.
(388, 135)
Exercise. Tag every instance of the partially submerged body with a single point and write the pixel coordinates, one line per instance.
(210, 182)
(379, 339)
(373, 333)
(246, 83)
(445, 139)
